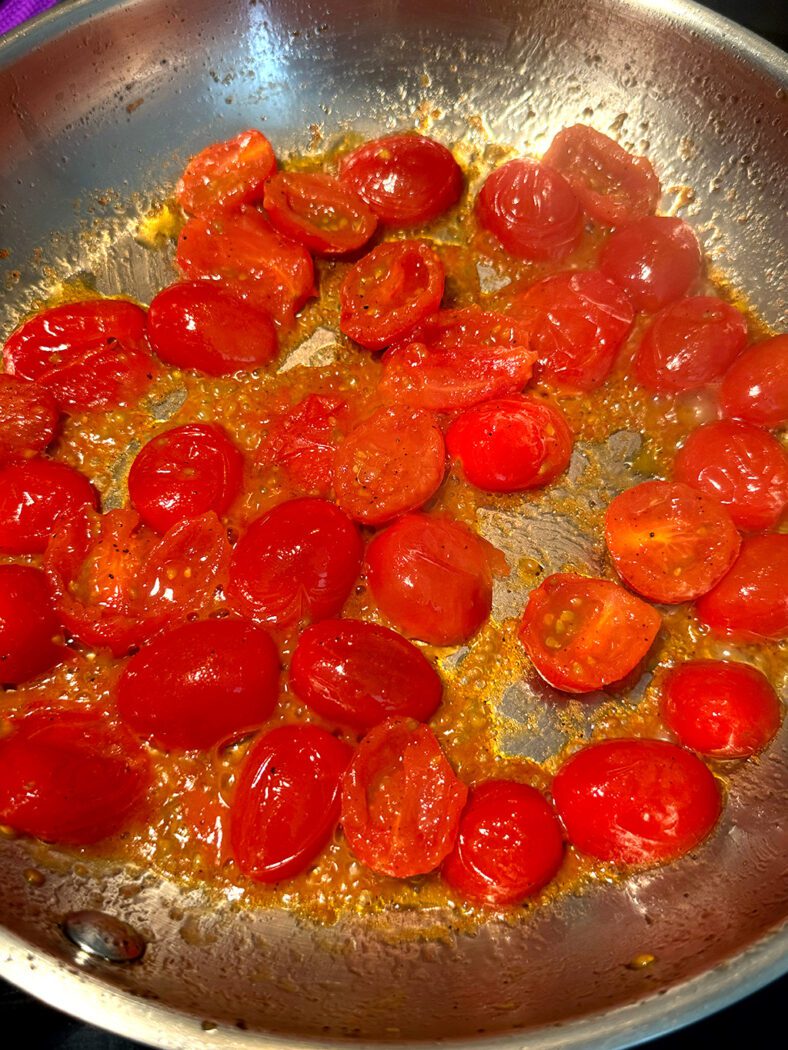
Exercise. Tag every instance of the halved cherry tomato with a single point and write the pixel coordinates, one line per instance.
(29, 417)
(751, 602)
(719, 708)
(303, 441)
(183, 473)
(655, 260)
(511, 444)
(70, 777)
(203, 326)
(296, 563)
(432, 577)
(318, 211)
(393, 462)
(756, 386)
(253, 261)
(470, 327)
(401, 800)
(286, 805)
(405, 179)
(92, 354)
(29, 627)
(227, 174)
(532, 210)
(742, 466)
(583, 634)
(614, 186)
(689, 343)
(669, 542)
(358, 674)
(201, 684)
(577, 322)
(385, 295)
(636, 801)
(37, 495)
(509, 845)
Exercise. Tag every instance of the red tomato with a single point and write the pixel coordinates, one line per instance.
(613, 185)
(722, 709)
(29, 417)
(28, 625)
(742, 466)
(470, 327)
(227, 174)
(636, 801)
(577, 322)
(318, 211)
(509, 844)
(532, 210)
(184, 472)
(385, 295)
(92, 354)
(296, 563)
(200, 685)
(303, 441)
(204, 327)
(690, 343)
(245, 253)
(36, 495)
(391, 463)
(358, 674)
(511, 444)
(286, 805)
(432, 577)
(582, 634)
(401, 800)
(756, 387)
(669, 542)
(751, 602)
(405, 179)
(70, 777)
(655, 260)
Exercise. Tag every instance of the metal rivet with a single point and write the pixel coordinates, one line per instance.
(104, 937)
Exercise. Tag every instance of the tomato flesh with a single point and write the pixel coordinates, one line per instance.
(227, 174)
(318, 211)
(303, 442)
(750, 604)
(655, 260)
(755, 388)
(29, 417)
(29, 627)
(36, 496)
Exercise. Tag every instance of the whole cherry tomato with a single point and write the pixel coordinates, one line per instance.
(655, 260)
(36, 496)
(320, 212)
(29, 417)
(28, 625)
(750, 604)
(303, 441)
(755, 388)
(227, 174)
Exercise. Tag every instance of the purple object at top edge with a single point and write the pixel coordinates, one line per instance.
(14, 12)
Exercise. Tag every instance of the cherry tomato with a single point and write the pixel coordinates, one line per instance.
(509, 844)
(511, 444)
(184, 472)
(227, 174)
(582, 634)
(722, 709)
(29, 626)
(392, 462)
(385, 295)
(200, 685)
(636, 801)
(286, 805)
(613, 185)
(405, 179)
(742, 466)
(751, 602)
(470, 327)
(253, 262)
(358, 674)
(36, 495)
(401, 800)
(204, 327)
(296, 563)
(655, 260)
(29, 417)
(303, 442)
(88, 355)
(318, 211)
(532, 210)
(432, 577)
(669, 542)
(577, 322)
(756, 386)
(689, 343)
(70, 777)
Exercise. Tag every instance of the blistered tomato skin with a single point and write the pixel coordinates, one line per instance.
(29, 418)
(720, 708)
(36, 495)
(227, 174)
(655, 260)
(755, 388)
(318, 211)
(750, 603)
(303, 441)
(358, 674)
(29, 626)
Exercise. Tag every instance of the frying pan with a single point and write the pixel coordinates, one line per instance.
(100, 103)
